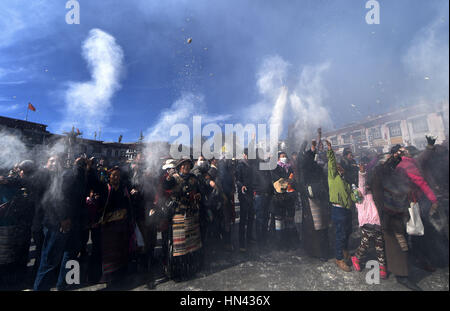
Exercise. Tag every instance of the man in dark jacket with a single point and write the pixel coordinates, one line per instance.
(350, 167)
(76, 193)
(226, 181)
(61, 217)
(262, 193)
(314, 193)
(244, 182)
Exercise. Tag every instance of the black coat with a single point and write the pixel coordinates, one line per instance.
(313, 175)
(262, 179)
(64, 198)
(350, 171)
(280, 172)
(225, 170)
(244, 176)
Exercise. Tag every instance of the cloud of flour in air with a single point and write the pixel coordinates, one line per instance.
(291, 100)
(88, 104)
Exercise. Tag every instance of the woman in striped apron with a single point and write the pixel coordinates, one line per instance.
(185, 245)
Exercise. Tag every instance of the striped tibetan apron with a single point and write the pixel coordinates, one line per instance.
(186, 234)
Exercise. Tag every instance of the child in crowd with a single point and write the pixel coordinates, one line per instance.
(369, 221)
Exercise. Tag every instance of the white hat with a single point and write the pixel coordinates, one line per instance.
(170, 163)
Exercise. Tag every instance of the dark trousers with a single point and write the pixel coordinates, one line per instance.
(283, 214)
(342, 219)
(73, 247)
(246, 219)
(95, 260)
(51, 257)
(38, 237)
(149, 234)
(227, 214)
(261, 207)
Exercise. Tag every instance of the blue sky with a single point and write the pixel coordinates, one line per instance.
(356, 69)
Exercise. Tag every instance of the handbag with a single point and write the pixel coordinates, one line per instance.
(414, 226)
(281, 185)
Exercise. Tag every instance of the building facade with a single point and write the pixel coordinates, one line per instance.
(407, 126)
(40, 141)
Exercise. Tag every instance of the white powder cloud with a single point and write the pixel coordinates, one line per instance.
(88, 104)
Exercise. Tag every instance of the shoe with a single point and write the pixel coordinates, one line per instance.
(343, 266)
(151, 284)
(425, 266)
(408, 283)
(429, 268)
(355, 262)
(383, 273)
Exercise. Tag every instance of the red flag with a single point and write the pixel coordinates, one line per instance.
(31, 107)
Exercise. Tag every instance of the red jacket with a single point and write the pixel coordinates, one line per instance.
(410, 167)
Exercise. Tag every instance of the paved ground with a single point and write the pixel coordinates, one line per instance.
(270, 269)
(262, 270)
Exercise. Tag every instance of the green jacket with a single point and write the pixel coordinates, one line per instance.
(340, 191)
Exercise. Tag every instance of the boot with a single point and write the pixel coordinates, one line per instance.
(151, 283)
(355, 262)
(342, 265)
(405, 281)
(424, 265)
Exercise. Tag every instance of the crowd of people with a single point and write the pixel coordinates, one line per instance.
(191, 202)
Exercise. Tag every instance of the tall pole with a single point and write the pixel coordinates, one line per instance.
(26, 118)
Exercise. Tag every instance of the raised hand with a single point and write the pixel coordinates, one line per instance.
(433, 208)
(362, 169)
(431, 140)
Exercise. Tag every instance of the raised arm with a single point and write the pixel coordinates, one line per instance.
(362, 179)
(332, 168)
(319, 137)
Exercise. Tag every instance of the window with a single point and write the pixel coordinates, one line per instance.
(375, 133)
(97, 149)
(357, 136)
(334, 140)
(117, 153)
(346, 139)
(420, 125)
(395, 130)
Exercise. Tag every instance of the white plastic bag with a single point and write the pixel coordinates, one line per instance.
(414, 225)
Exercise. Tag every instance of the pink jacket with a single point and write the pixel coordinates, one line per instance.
(367, 210)
(411, 168)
